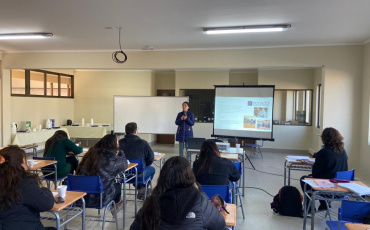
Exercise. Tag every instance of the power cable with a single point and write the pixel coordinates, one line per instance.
(120, 51)
(270, 173)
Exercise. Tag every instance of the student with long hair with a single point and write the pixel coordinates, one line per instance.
(211, 169)
(331, 158)
(21, 198)
(177, 203)
(59, 146)
(106, 161)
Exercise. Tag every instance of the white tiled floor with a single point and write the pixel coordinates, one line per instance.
(258, 214)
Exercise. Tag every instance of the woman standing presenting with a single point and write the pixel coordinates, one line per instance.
(184, 122)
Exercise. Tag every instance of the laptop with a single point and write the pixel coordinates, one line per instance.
(195, 143)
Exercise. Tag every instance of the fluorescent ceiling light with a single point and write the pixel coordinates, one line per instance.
(25, 36)
(246, 29)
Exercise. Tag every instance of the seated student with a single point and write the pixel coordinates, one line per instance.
(21, 198)
(59, 146)
(136, 148)
(211, 169)
(332, 158)
(177, 203)
(106, 161)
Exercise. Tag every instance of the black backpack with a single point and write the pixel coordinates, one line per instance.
(288, 202)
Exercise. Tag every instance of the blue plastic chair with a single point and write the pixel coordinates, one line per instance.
(346, 175)
(350, 211)
(222, 190)
(147, 180)
(50, 168)
(92, 185)
(255, 148)
(238, 194)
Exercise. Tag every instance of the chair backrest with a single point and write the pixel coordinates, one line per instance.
(140, 165)
(222, 190)
(46, 158)
(354, 211)
(195, 142)
(346, 175)
(238, 166)
(88, 184)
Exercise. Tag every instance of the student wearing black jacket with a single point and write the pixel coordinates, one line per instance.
(332, 158)
(211, 168)
(21, 198)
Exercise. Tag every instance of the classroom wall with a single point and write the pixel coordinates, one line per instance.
(94, 91)
(342, 75)
(246, 78)
(165, 80)
(38, 110)
(363, 158)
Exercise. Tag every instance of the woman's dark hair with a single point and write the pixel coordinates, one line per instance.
(58, 136)
(176, 173)
(93, 158)
(185, 102)
(332, 139)
(208, 150)
(11, 173)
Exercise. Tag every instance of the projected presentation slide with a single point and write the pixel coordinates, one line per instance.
(238, 113)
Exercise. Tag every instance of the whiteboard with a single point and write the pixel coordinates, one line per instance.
(153, 115)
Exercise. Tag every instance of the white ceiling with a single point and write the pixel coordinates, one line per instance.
(79, 25)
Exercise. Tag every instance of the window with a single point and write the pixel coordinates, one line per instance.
(318, 105)
(18, 81)
(40, 83)
(293, 107)
(201, 103)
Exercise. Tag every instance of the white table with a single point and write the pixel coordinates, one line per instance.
(35, 137)
(86, 132)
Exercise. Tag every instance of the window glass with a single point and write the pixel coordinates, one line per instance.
(65, 86)
(201, 103)
(18, 81)
(52, 85)
(37, 86)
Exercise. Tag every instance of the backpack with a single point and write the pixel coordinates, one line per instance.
(288, 202)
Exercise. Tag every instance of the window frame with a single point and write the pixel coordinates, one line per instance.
(28, 84)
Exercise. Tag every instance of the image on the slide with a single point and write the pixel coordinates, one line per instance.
(260, 112)
(264, 124)
(249, 122)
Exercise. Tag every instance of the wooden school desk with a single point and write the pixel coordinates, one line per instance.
(350, 226)
(126, 176)
(328, 194)
(161, 159)
(70, 198)
(42, 163)
(230, 218)
(297, 166)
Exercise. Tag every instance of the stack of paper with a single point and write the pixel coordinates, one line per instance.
(356, 188)
(299, 158)
(324, 183)
(157, 154)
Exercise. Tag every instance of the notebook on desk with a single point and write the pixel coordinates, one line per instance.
(356, 188)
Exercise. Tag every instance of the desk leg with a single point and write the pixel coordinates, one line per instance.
(55, 176)
(124, 201)
(135, 190)
(304, 206)
(83, 213)
(289, 176)
(285, 168)
(313, 210)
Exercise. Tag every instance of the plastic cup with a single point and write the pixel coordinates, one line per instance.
(237, 147)
(30, 163)
(62, 190)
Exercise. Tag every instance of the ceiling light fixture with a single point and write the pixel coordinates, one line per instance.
(26, 36)
(246, 29)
